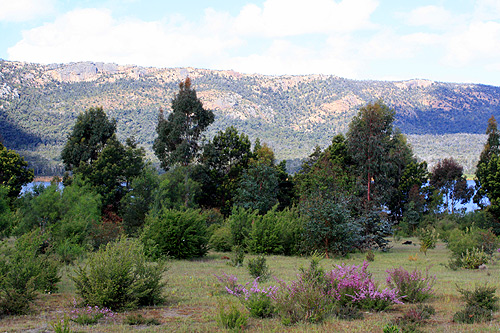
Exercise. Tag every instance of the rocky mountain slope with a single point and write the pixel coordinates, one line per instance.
(39, 104)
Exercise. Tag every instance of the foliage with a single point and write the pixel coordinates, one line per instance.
(447, 176)
(472, 314)
(221, 239)
(14, 171)
(428, 238)
(136, 204)
(480, 302)
(259, 305)
(414, 318)
(88, 138)
(6, 214)
(231, 317)
(118, 276)
(237, 256)
(177, 190)
(89, 315)
(178, 135)
(138, 319)
(175, 233)
(224, 159)
(369, 142)
(258, 188)
(459, 241)
(354, 285)
(258, 268)
(24, 269)
(347, 312)
(265, 234)
(240, 221)
(370, 255)
(491, 149)
(413, 287)
(471, 259)
(61, 325)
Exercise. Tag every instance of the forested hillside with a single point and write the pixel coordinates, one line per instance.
(292, 114)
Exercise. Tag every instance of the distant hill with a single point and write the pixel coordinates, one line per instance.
(39, 105)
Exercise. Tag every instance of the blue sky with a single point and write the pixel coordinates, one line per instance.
(441, 40)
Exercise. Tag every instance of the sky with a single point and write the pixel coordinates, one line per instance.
(440, 40)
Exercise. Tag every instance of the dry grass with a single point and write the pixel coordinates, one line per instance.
(193, 294)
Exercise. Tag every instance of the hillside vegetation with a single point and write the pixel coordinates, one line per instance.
(293, 114)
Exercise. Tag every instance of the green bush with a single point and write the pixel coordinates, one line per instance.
(231, 317)
(257, 268)
(480, 304)
(472, 314)
(178, 234)
(138, 319)
(240, 222)
(119, 276)
(472, 259)
(259, 305)
(221, 239)
(459, 241)
(237, 256)
(24, 269)
(482, 296)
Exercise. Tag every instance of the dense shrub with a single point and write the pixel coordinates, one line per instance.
(119, 276)
(265, 234)
(230, 317)
(24, 269)
(413, 287)
(354, 285)
(480, 304)
(240, 223)
(237, 256)
(414, 318)
(257, 268)
(178, 234)
(221, 239)
(459, 241)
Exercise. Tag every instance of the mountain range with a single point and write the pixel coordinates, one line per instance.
(292, 114)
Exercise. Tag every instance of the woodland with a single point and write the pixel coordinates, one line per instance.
(113, 229)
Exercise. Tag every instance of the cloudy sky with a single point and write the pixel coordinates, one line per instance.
(443, 40)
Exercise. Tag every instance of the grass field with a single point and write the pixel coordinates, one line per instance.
(193, 295)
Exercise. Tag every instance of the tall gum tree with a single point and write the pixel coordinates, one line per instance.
(178, 134)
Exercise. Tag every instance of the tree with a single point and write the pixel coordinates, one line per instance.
(93, 151)
(326, 199)
(224, 159)
(113, 171)
(490, 150)
(178, 135)
(447, 176)
(14, 172)
(369, 143)
(87, 139)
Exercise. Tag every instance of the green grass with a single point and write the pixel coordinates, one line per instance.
(193, 294)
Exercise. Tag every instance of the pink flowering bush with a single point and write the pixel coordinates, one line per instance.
(257, 300)
(315, 294)
(354, 285)
(415, 287)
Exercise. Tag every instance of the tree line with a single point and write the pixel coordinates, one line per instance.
(227, 191)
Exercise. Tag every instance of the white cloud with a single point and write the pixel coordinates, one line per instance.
(24, 10)
(486, 10)
(479, 42)
(435, 17)
(93, 34)
(280, 18)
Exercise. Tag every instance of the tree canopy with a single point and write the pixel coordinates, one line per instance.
(178, 134)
